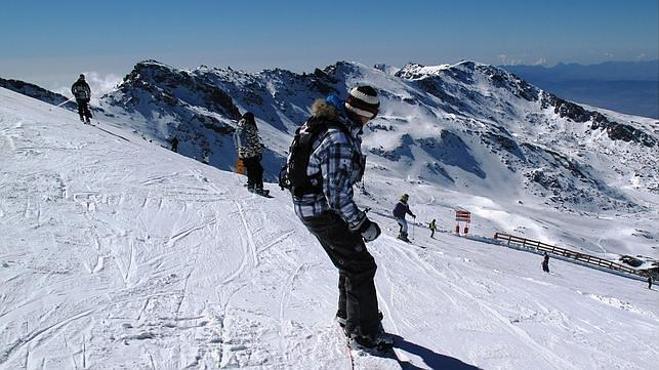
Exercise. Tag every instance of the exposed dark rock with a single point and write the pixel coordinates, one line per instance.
(38, 93)
(403, 150)
(565, 108)
(621, 131)
(177, 86)
(504, 142)
(451, 150)
(615, 130)
(437, 169)
(566, 180)
(510, 82)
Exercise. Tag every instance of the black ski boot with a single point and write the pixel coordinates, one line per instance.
(261, 191)
(375, 343)
(341, 319)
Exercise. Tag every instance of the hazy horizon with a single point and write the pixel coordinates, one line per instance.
(50, 43)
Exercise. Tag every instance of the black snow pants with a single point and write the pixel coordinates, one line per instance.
(358, 301)
(254, 172)
(83, 109)
(545, 266)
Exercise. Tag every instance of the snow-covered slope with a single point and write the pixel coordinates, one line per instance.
(119, 254)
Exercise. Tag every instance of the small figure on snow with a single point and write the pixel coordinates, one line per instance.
(545, 263)
(433, 228)
(82, 93)
(649, 281)
(249, 151)
(324, 163)
(400, 211)
(174, 143)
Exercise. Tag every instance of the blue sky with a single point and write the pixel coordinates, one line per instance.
(49, 42)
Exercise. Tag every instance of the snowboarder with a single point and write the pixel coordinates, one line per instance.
(433, 228)
(249, 151)
(400, 211)
(82, 93)
(650, 282)
(174, 143)
(324, 163)
(545, 263)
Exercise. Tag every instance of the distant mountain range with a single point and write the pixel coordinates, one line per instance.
(464, 126)
(627, 87)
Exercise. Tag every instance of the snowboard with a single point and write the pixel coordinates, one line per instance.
(382, 358)
(265, 193)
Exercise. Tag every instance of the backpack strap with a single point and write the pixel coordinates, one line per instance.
(305, 137)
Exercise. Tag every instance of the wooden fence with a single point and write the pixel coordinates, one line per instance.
(578, 256)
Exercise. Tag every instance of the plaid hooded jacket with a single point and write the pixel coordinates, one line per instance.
(339, 160)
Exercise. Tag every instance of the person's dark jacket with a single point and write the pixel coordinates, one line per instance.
(401, 209)
(81, 90)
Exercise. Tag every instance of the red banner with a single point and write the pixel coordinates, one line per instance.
(462, 215)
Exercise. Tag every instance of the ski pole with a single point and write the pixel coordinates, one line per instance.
(60, 104)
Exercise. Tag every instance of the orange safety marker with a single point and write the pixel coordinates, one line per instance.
(240, 167)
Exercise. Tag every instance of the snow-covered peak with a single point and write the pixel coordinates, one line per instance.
(153, 63)
(386, 68)
(413, 71)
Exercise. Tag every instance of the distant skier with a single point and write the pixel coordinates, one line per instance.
(324, 163)
(82, 93)
(249, 151)
(649, 282)
(400, 211)
(174, 143)
(433, 228)
(545, 263)
(205, 157)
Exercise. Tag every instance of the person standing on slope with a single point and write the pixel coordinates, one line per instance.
(545, 263)
(323, 200)
(433, 228)
(174, 143)
(82, 93)
(650, 282)
(400, 211)
(250, 151)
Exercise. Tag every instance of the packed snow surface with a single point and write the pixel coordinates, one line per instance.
(116, 253)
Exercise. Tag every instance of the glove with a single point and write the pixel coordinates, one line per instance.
(369, 230)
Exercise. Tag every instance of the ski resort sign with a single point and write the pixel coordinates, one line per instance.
(464, 217)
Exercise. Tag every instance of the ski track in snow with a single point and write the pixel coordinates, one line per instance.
(118, 254)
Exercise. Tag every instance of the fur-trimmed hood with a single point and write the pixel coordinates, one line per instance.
(321, 109)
